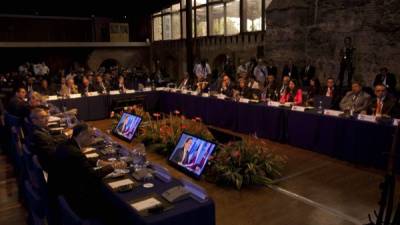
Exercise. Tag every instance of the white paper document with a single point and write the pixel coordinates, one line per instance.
(146, 204)
(92, 155)
(120, 183)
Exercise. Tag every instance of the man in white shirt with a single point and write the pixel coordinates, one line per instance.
(202, 70)
(260, 72)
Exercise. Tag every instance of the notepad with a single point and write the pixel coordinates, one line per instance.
(92, 155)
(90, 149)
(54, 119)
(120, 183)
(146, 204)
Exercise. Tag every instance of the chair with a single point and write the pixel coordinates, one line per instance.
(35, 206)
(39, 180)
(69, 217)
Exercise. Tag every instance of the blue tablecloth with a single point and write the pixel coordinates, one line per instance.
(351, 140)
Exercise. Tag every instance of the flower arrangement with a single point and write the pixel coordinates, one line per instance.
(162, 135)
(244, 163)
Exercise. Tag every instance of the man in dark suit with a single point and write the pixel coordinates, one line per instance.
(387, 79)
(290, 69)
(307, 73)
(100, 86)
(40, 141)
(272, 69)
(226, 86)
(182, 154)
(332, 92)
(73, 175)
(383, 104)
(85, 87)
(45, 89)
(17, 106)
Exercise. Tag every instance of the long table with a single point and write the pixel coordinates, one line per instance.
(355, 141)
(182, 212)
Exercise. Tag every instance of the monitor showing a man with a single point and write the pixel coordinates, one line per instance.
(191, 154)
(127, 126)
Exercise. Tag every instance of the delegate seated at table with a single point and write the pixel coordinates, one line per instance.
(226, 86)
(355, 100)
(292, 94)
(73, 176)
(383, 104)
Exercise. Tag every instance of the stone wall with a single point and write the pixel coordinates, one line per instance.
(126, 57)
(301, 29)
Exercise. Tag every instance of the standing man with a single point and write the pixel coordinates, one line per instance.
(346, 63)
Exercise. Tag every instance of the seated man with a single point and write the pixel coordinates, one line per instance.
(99, 85)
(17, 106)
(226, 86)
(185, 83)
(73, 175)
(40, 141)
(355, 100)
(383, 104)
(86, 87)
(69, 88)
(332, 92)
(44, 88)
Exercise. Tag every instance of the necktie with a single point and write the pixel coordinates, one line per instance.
(378, 110)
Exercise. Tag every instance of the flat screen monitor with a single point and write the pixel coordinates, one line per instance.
(191, 154)
(127, 126)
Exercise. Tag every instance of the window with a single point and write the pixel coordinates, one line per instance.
(200, 2)
(184, 3)
(217, 19)
(157, 28)
(252, 15)
(201, 22)
(166, 27)
(233, 17)
(176, 26)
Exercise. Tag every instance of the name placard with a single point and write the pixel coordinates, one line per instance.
(330, 112)
(244, 100)
(147, 89)
(75, 96)
(299, 108)
(114, 92)
(52, 97)
(160, 89)
(368, 118)
(184, 91)
(129, 91)
(221, 96)
(205, 95)
(93, 93)
(274, 104)
(195, 93)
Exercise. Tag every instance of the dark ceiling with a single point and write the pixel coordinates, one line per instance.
(114, 9)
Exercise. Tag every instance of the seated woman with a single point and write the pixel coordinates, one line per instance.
(292, 94)
(313, 90)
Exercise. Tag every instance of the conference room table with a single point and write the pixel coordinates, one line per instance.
(348, 139)
(197, 212)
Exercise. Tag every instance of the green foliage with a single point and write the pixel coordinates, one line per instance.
(243, 163)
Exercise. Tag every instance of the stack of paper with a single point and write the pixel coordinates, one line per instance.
(146, 204)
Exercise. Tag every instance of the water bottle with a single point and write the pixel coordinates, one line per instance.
(320, 109)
